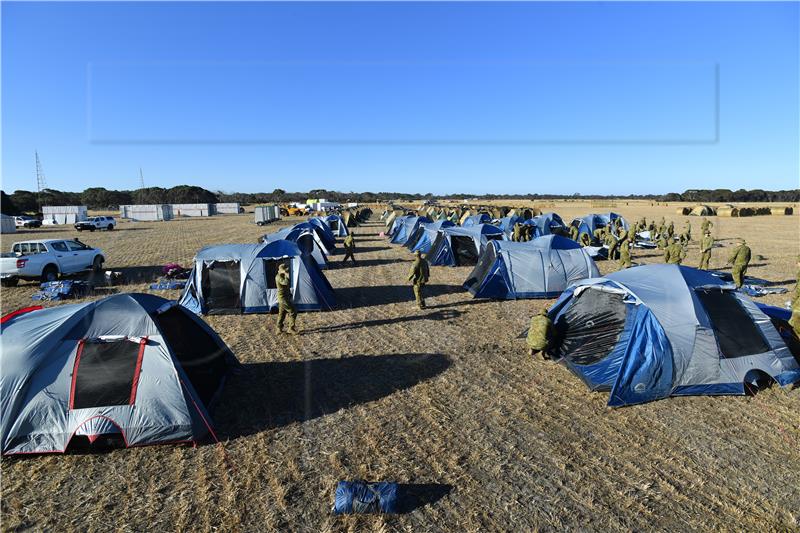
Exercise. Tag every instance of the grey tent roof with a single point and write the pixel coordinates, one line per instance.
(39, 357)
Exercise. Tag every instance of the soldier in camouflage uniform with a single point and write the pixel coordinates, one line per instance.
(573, 233)
(686, 236)
(705, 225)
(285, 306)
(517, 235)
(613, 243)
(625, 245)
(706, 244)
(739, 258)
(349, 248)
(585, 239)
(674, 253)
(418, 276)
(540, 334)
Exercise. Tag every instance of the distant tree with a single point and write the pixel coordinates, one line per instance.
(189, 194)
(25, 201)
(7, 206)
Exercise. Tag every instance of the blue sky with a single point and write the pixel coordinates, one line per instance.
(611, 98)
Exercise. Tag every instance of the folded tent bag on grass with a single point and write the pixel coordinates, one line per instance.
(362, 497)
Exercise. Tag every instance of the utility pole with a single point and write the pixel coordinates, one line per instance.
(41, 185)
(141, 186)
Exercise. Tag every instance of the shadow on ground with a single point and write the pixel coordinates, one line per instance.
(275, 394)
(351, 297)
(412, 496)
(438, 315)
(365, 263)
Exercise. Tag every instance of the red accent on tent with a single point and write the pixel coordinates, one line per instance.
(137, 370)
(92, 438)
(81, 344)
(18, 312)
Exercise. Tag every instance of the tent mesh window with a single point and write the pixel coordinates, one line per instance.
(104, 374)
(590, 328)
(736, 331)
(334, 225)
(271, 270)
(221, 281)
(481, 269)
(198, 353)
(464, 250)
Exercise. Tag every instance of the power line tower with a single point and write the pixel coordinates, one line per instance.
(140, 193)
(41, 184)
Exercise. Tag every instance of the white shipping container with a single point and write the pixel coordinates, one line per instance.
(192, 210)
(227, 208)
(7, 224)
(146, 212)
(64, 214)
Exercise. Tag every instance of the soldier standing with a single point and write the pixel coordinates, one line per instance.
(705, 225)
(349, 248)
(674, 253)
(739, 258)
(573, 233)
(418, 276)
(706, 244)
(626, 243)
(517, 235)
(285, 306)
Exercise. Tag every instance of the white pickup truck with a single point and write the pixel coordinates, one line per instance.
(94, 223)
(46, 259)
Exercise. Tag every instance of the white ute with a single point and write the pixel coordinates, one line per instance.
(46, 259)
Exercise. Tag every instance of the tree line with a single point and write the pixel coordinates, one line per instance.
(21, 201)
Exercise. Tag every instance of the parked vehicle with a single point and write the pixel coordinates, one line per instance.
(46, 259)
(24, 221)
(93, 223)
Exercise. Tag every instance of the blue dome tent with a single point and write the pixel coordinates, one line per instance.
(459, 246)
(541, 268)
(240, 278)
(655, 331)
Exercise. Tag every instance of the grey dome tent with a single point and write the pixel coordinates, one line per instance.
(240, 278)
(589, 223)
(306, 237)
(541, 268)
(130, 366)
(654, 331)
(474, 220)
(406, 228)
(459, 246)
(425, 234)
(547, 224)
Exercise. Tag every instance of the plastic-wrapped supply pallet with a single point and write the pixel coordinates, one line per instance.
(146, 212)
(192, 210)
(64, 214)
(265, 214)
(8, 225)
(362, 497)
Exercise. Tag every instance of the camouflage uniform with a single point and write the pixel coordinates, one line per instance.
(625, 248)
(671, 230)
(740, 258)
(599, 234)
(705, 225)
(706, 243)
(585, 240)
(517, 235)
(686, 236)
(540, 334)
(573, 233)
(349, 248)
(283, 282)
(674, 254)
(418, 276)
(613, 243)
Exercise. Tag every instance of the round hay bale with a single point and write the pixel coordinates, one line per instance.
(683, 210)
(788, 210)
(746, 212)
(727, 211)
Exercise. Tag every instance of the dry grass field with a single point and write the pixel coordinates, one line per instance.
(444, 399)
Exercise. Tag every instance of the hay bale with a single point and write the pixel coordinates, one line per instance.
(702, 211)
(746, 212)
(727, 211)
(683, 210)
(788, 210)
(763, 211)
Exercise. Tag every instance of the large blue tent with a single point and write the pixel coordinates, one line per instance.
(654, 331)
(541, 268)
(425, 234)
(406, 228)
(459, 246)
(474, 220)
(240, 278)
(546, 224)
(589, 223)
(307, 238)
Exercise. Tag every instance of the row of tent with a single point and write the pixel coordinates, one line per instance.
(240, 278)
(141, 369)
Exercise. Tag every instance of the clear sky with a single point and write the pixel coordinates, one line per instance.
(611, 98)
